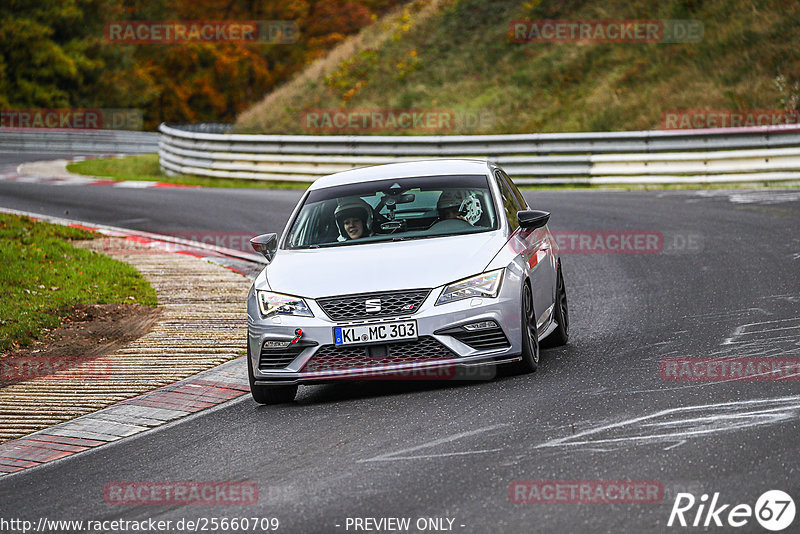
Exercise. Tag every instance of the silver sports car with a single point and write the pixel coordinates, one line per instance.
(405, 268)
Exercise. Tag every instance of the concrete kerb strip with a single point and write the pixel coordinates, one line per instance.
(129, 400)
(127, 418)
(54, 172)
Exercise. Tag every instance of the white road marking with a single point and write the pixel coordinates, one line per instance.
(712, 418)
(396, 455)
(675, 445)
(425, 456)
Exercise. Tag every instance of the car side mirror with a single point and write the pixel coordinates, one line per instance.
(266, 244)
(532, 219)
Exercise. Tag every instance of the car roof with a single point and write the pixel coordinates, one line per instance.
(429, 167)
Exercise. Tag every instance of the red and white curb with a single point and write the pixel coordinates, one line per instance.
(127, 418)
(22, 177)
(138, 414)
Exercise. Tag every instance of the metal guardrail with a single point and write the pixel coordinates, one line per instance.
(672, 156)
(82, 141)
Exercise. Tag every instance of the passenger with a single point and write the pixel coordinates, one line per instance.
(459, 204)
(354, 218)
(449, 204)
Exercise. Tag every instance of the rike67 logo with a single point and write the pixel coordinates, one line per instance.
(774, 510)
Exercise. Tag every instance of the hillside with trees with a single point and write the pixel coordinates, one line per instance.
(56, 55)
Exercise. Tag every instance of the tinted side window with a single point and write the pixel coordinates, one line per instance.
(520, 201)
(509, 201)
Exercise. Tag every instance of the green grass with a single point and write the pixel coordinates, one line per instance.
(43, 276)
(457, 55)
(146, 168)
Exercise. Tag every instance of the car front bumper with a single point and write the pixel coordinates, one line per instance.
(438, 328)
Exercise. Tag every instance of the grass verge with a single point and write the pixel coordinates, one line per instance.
(43, 277)
(146, 168)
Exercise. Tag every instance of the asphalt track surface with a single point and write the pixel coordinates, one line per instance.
(597, 409)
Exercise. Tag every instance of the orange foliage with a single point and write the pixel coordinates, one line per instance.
(216, 81)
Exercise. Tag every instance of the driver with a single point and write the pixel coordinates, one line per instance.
(353, 218)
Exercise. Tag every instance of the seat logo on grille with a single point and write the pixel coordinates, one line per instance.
(373, 305)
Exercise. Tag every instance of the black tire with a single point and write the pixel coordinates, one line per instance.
(560, 335)
(530, 338)
(268, 394)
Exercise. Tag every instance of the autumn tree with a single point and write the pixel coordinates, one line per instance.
(54, 54)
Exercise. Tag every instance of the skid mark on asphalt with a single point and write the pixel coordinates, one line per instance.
(402, 454)
(788, 328)
(680, 425)
(752, 334)
(723, 316)
(789, 297)
(777, 337)
(755, 334)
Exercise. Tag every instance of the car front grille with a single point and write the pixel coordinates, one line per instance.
(351, 307)
(490, 338)
(332, 358)
(278, 358)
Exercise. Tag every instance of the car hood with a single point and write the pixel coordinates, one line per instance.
(414, 264)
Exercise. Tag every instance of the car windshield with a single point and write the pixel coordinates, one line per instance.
(398, 209)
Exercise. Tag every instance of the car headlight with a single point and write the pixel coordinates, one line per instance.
(482, 285)
(276, 304)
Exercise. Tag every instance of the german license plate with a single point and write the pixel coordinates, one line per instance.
(374, 333)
